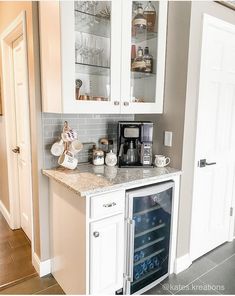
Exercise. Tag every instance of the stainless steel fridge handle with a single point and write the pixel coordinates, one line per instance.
(132, 239)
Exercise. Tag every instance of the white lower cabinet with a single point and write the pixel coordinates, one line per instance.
(106, 255)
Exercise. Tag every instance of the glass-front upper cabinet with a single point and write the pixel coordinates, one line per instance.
(94, 53)
(103, 56)
(143, 56)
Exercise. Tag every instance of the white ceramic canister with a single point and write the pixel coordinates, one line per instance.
(111, 159)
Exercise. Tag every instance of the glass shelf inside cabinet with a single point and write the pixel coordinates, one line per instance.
(143, 36)
(92, 69)
(141, 75)
(92, 24)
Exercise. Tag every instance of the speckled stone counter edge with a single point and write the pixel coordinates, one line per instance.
(99, 184)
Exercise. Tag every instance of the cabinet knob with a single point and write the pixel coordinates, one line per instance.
(116, 103)
(96, 234)
(126, 103)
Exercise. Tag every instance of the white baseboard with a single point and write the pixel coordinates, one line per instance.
(5, 213)
(182, 263)
(42, 267)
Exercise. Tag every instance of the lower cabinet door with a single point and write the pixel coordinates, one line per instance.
(106, 255)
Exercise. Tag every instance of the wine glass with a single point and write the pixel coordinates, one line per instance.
(85, 51)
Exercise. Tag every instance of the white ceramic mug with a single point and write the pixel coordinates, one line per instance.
(68, 160)
(69, 136)
(57, 148)
(75, 147)
(161, 161)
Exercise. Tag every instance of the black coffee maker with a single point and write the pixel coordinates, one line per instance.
(135, 141)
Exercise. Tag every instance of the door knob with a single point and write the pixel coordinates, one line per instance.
(126, 103)
(16, 150)
(203, 163)
(96, 234)
(116, 103)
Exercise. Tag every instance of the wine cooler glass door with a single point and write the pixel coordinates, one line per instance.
(150, 216)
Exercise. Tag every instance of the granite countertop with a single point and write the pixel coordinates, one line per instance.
(88, 179)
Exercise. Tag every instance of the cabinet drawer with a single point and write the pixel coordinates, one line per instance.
(107, 204)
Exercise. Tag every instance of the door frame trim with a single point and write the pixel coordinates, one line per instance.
(10, 34)
(208, 19)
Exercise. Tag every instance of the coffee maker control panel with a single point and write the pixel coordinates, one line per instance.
(146, 153)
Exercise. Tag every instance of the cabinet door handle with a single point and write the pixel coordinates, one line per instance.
(96, 234)
(109, 205)
(116, 103)
(126, 103)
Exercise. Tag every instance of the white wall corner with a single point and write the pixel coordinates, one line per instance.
(42, 267)
(5, 214)
(182, 263)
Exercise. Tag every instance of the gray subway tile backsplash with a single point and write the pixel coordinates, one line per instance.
(90, 128)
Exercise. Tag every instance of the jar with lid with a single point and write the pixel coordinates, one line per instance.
(111, 159)
(98, 156)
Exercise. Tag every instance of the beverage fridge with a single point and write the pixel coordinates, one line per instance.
(148, 235)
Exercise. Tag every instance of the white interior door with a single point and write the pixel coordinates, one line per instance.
(215, 140)
(22, 134)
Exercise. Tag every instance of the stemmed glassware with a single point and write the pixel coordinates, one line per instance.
(89, 11)
(88, 51)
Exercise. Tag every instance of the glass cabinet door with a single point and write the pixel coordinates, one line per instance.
(96, 26)
(92, 50)
(144, 56)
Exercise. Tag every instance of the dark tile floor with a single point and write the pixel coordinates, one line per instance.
(211, 274)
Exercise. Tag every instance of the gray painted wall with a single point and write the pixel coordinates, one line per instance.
(90, 128)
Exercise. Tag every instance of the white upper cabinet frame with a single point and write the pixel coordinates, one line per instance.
(127, 106)
(57, 42)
